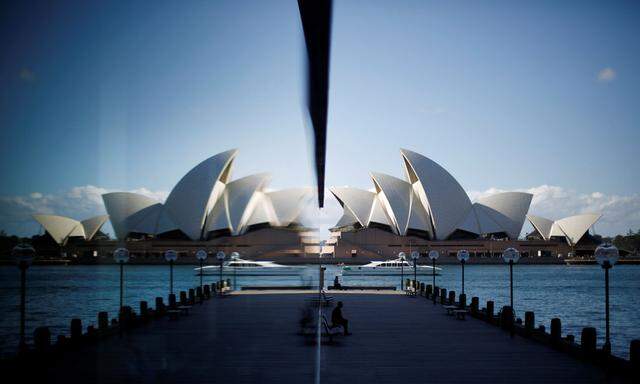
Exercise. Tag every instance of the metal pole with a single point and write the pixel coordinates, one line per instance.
(434, 281)
(220, 273)
(201, 264)
(23, 295)
(511, 281)
(402, 275)
(171, 277)
(121, 284)
(607, 344)
(462, 262)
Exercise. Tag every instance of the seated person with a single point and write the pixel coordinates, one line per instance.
(337, 319)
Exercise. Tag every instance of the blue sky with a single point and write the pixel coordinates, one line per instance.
(505, 95)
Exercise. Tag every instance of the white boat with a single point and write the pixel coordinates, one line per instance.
(394, 267)
(240, 267)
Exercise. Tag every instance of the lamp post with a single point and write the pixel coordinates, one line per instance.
(201, 255)
(463, 256)
(220, 256)
(121, 256)
(511, 256)
(171, 256)
(414, 256)
(402, 258)
(234, 256)
(606, 255)
(23, 254)
(433, 255)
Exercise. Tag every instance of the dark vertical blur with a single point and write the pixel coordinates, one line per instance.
(316, 23)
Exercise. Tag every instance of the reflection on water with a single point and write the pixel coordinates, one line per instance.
(574, 294)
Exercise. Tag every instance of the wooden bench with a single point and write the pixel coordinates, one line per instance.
(450, 309)
(460, 313)
(173, 314)
(184, 309)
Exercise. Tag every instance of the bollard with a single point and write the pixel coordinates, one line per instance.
(228, 283)
(172, 300)
(114, 322)
(475, 304)
(76, 330)
(422, 288)
(443, 295)
(199, 293)
(144, 309)
(571, 339)
(506, 318)
(436, 292)
(207, 292)
(588, 341)
(489, 310)
(452, 298)
(428, 290)
(556, 331)
(634, 354)
(42, 338)
(159, 306)
(103, 321)
(462, 301)
(91, 333)
(61, 340)
(183, 298)
(192, 296)
(529, 322)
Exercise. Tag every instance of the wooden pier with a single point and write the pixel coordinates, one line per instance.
(254, 337)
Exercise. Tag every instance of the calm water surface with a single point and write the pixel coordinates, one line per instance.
(575, 294)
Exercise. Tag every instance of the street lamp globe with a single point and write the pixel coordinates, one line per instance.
(463, 255)
(121, 255)
(235, 255)
(171, 255)
(433, 255)
(607, 255)
(415, 255)
(220, 255)
(201, 255)
(23, 254)
(511, 255)
(402, 256)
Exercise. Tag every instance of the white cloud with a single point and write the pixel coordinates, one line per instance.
(606, 75)
(78, 202)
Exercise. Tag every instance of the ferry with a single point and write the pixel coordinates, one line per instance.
(240, 267)
(394, 267)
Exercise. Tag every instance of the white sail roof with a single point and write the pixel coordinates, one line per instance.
(289, 203)
(574, 227)
(61, 228)
(396, 195)
(358, 202)
(508, 210)
(241, 199)
(542, 226)
(346, 220)
(191, 199)
(123, 209)
(92, 225)
(447, 202)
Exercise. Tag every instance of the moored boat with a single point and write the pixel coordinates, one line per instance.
(241, 267)
(393, 267)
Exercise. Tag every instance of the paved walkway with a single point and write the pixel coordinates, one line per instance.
(254, 339)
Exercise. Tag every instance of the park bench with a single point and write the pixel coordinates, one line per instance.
(460, 313)
(410, 291)
(450, 309)
(331, 331)
(184, 309)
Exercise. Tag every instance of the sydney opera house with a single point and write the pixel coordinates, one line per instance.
(206, 209)
(427, 209)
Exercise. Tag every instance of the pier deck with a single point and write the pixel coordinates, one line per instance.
(251, 338)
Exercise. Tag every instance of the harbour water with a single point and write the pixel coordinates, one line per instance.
(575, 294)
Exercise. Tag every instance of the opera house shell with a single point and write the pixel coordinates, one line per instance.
(206, 203)
(430, 203)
